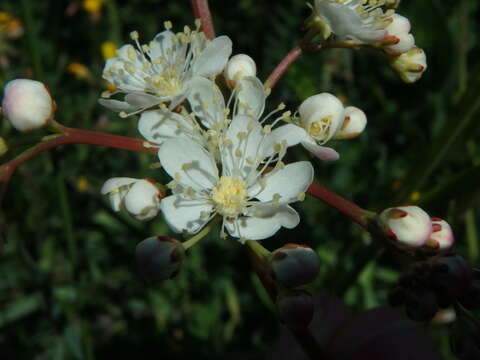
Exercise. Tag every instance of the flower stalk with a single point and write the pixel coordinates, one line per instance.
(71, 136)
(348, 208)
(202, 11)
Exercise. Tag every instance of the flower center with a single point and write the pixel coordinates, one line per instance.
(229, 196)
(320, 129)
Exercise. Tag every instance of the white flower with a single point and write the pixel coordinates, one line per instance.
(238, 67)
(163, 70)
(400, 28)
(27, 104)
(353, 125)
(408, 225)
(321, 117)
(442, 235)
(357, 20)
(410, 65)
(252, 198)
(210, 116)
(140, 197)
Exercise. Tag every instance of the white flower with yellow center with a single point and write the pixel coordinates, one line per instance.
(210, 116)
(358, 20)
(320, 118)
(253, 191)
(163, 70)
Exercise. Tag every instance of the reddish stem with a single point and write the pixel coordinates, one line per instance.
(283, 65)
(201, 11)
(71, 136)
(348, 208)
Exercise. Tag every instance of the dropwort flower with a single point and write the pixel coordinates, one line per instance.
(252, 198)
(358, 20)
(162, 71)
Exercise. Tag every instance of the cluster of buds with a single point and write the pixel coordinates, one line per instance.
(292, 266)
(438, 283)
(365, 23)
(411, 227)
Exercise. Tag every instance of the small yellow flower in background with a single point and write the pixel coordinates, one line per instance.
(3, 146)
(82, 184)
(11, 26)
(109, 50)
(92, 6)
(80, 71)
(414, 196)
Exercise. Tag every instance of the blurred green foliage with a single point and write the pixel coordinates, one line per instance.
(68, 285)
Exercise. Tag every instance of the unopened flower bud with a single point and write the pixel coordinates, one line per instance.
(410, 65)
(159, 258)
(143, 200)
(353, 125)
(400, 28)
(295, 309)
(294, 265)
(238, 67)
(407, 225)
(322, 116)
(140, 197)
(27, 104)
(442, 235)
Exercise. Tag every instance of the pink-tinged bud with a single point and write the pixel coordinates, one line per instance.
(400, 28)
(410, 65)
(442, 235)
(353, 125)
(238, 67)
(407, 225)
(27, 104)
(294, 265)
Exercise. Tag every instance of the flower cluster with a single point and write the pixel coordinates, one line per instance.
(363, 22)
(224, 155)
(410, 226)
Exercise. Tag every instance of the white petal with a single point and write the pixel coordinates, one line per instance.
(288, 182)
(206, 101)
(142, 100)
(318, 108)
(241, 156)
(251, 97)
(321, 152)
(258, 228)
(184, 215)
(290, 133)
(213, 58)
(188, 163)
(116, 182)
(161, 44)
(159, 125)
(142, 200)
(117, 188)
(115, 105)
